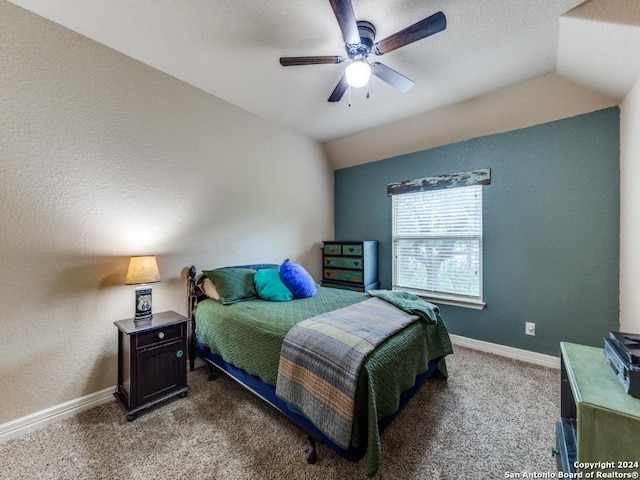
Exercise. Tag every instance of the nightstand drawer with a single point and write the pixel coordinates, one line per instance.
(343, 262)
(354, 276)
(159, 335)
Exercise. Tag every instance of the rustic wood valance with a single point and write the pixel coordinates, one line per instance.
(464, 179)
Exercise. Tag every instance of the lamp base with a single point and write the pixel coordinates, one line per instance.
(143, 303)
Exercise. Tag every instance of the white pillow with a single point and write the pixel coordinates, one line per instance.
(209, 289)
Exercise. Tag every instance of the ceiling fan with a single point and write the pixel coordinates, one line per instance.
(359, 39)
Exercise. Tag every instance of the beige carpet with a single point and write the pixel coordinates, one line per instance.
(493, 415)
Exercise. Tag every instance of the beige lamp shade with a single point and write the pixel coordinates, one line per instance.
(143, 269)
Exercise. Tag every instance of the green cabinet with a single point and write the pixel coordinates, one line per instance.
(599, 429)
(351, 265)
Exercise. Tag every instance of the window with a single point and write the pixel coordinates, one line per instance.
(437, 242)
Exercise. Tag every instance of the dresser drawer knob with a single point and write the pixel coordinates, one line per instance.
(161, 335)
(356, 263)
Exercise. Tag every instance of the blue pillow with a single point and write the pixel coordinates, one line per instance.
(270, 287)
(297, 279)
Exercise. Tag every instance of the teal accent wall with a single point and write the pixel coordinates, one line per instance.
(551, 227)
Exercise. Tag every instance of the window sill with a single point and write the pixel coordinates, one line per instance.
(446, 300)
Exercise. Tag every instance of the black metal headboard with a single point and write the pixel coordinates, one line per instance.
(196, 295)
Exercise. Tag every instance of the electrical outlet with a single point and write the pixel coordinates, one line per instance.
(530, 328)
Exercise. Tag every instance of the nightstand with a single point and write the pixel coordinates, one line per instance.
(152, 361)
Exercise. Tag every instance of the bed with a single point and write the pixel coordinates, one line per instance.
(244, 338)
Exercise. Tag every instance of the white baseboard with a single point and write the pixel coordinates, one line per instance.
(44, 417)
(511, 352)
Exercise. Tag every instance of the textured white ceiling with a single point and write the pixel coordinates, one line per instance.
(231, 49)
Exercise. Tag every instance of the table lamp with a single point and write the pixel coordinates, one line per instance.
(142, 271)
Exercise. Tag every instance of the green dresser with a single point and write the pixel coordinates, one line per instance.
(599, 430)
(350, 265)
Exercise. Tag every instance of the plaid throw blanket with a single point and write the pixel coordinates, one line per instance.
(321, 358)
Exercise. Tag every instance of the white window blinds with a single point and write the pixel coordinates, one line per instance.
(437, 244)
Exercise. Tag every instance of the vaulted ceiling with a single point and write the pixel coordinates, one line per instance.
(231, 50)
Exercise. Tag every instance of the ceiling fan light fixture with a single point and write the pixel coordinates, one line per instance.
(359, 43)
(358, 73)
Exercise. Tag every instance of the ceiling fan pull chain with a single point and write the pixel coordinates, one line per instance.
(349, 89)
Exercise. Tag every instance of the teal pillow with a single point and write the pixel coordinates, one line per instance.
(270, 287)
(233, 284)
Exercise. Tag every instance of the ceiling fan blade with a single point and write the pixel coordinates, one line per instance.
(347, 20)
(338, 92)
(424, 28)
(289, 61)
(392, 77)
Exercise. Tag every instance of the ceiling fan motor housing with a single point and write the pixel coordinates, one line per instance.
(367, 33)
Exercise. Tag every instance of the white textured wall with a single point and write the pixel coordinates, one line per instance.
(102, 157)
(629, 208)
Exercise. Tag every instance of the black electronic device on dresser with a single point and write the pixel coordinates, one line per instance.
(622, 353)
(152, 361)
(352, 265)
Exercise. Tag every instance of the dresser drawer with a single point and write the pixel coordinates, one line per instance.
(343, 286)
(332, 249)
(352, 249)
(152, 337)
(355, 250)
(353, 276)
(343, 262)
(349, 286)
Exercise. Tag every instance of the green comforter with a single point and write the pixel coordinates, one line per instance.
(249, 335)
